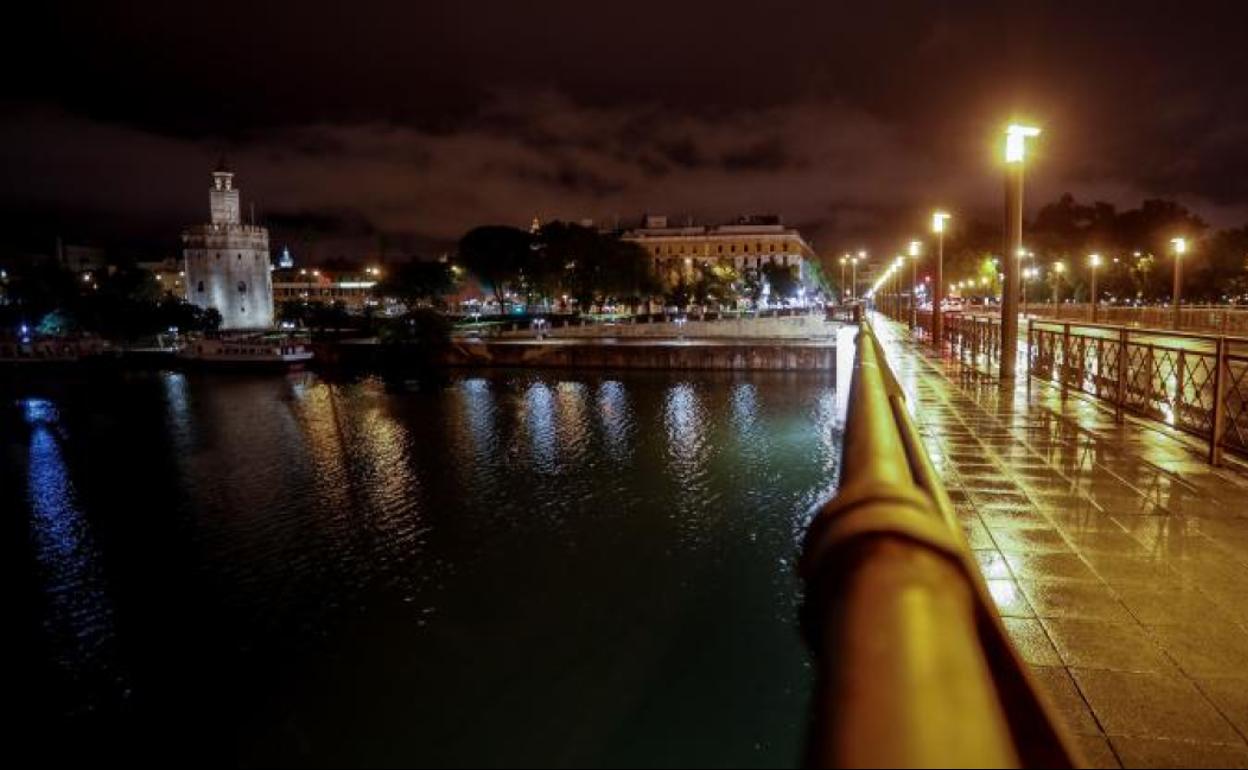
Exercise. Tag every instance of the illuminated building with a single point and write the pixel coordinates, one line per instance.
(355, 289)
(227, 262)
(747, 244)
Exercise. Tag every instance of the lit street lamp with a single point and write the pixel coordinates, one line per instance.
(915, 249)
(853, 292)
(899, 262)
(1180, 248)
(1029, 274)
(1016, 137)
(1059, 269)
(1094, 260)
(938, 312)
(844, 262)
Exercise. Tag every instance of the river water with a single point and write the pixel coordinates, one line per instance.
(514, 568)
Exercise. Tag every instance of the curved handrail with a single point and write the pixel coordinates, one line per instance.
(914, 665)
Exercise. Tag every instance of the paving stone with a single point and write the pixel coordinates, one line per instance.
(1159, 753)
(1152, 706)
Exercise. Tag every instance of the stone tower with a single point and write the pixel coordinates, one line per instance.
(227, 262)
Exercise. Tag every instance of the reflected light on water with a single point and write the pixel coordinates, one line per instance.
(685, 425)
(80, 615)
(539, 424)
(616, 419)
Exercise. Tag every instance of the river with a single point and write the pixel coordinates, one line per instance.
(512, 568)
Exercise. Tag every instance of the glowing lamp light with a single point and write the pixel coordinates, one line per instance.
(1180, 245)
(1094, 260)
(915, 248)
(938, 221)
(1016, 137)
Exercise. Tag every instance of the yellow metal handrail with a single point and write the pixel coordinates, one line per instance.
(914, 665)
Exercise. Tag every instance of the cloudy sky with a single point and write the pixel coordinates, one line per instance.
(357, 125)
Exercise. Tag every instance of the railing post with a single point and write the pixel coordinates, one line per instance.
(1031, 347)
(1220, 378)
(1124, 362)
(1180, 385)
(1065, 370)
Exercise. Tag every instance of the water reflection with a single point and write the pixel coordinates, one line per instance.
(616, 419)
(367, 572)
(80, 614)
(539, 425)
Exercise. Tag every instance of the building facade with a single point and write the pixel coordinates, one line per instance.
(748, 243)
(355, 289)
(227, 262)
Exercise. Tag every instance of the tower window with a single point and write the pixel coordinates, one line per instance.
(242, 287)
(200, 288)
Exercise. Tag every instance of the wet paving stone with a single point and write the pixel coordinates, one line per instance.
(1130, 551)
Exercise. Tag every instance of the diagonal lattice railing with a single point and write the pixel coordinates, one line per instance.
(1195, 383)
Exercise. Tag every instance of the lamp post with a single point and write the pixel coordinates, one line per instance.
(1028, 275)
(1015, 151)
(853, 292)
(899, 263)
(915, 249)
(1094, 261)
(1180, 248)
(938, 311)
(844, 262)
(1059, 269)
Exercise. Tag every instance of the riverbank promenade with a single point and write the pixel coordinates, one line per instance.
(1117, 556)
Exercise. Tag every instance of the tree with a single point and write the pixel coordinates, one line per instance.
(782, 279)
(592, 267)
(498, 256)
(716, 284)
(418, 282)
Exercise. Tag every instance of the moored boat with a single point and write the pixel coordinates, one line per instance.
(246, 354)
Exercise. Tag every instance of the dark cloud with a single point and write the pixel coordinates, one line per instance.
(426, 118)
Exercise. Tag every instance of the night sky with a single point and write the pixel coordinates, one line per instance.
(355, 126)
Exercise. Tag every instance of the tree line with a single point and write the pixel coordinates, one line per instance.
(564, 265)
(124, 302)
(1137, 257)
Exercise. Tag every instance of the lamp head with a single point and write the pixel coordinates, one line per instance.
(938, 221)
(1016, 137)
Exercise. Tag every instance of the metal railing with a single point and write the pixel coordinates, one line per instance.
(914, 666)
(1197, 383)
(1214, 319)
(975, 340)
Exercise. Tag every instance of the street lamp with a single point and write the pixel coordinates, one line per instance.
(1094, 261)
(916, 248)
(844, 262)
(938, 312)
(862, 255)
(1059, 269)
(1029, 274)
(1180, 248)
(899, 262)
(1016, 137)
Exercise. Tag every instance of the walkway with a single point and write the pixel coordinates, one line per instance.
(1117, 556)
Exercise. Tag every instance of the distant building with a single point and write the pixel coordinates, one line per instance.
(81, 259)
(355, 289)
(170, 274)
(748, 243)
(227, 262)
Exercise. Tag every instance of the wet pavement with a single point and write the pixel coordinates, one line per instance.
(1117, 557)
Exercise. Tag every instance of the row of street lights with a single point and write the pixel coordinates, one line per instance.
(1013, 276)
